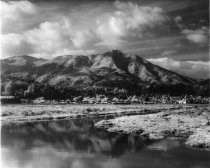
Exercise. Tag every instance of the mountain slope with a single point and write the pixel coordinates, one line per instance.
(102, 68)
(19, 65)
(135, 66)
(108, 70)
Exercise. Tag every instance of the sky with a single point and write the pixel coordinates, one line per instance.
(171, 33)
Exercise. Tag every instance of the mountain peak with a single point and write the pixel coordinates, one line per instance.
(109, 66)
(113, 53)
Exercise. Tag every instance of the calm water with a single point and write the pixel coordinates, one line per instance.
(76, 144)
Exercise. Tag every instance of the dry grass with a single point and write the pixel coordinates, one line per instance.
(13, 113)
(192, 123)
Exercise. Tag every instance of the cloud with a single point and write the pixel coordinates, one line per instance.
(16, 14)
(168, 53)
(14, 44)
(199, 36)
(82, 38)
(77, 164)
(65, 52)
(18, 8)
(114, 163)
(128, 21)
(178, 21)
(196, 69)
(47, 29)
(49, 39)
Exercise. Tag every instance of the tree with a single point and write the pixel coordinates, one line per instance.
(8, 88)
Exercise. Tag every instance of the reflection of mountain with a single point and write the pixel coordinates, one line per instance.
(109, 69)
(165, 144)
(76, 144)
(71, 135)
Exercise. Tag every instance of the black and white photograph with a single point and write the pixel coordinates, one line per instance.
(104, 84)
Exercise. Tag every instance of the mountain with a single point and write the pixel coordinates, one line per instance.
(205, 86)
(109, 69)
(19, 65)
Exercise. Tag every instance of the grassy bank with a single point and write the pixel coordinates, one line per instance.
(152, 122)
(22, 113)
(191, 123)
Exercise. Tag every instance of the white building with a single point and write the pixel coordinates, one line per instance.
(183, 101)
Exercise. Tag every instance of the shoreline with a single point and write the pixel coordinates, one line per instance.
(151, 122)
(192, 124)
(26, 113)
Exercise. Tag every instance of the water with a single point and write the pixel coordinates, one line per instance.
(76, 144)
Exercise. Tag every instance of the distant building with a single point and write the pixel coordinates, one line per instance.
(39, 100)
(183, 101)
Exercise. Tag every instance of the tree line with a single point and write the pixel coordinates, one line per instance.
(32, 89)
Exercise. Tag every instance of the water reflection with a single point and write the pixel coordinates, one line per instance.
(166, 144)
(77, 144)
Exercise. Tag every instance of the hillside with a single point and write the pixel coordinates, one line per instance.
(109, 69)
(19, 66)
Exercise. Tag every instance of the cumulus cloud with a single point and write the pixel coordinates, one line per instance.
(199, 36)
(16, 14)
(32, 29)
(49, 39)
(14, 44)
(128, 21)
(125, 23)
(197, 69)
(81, 38)
(18, 8)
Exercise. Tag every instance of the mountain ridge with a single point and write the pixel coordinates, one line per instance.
(109, 69)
